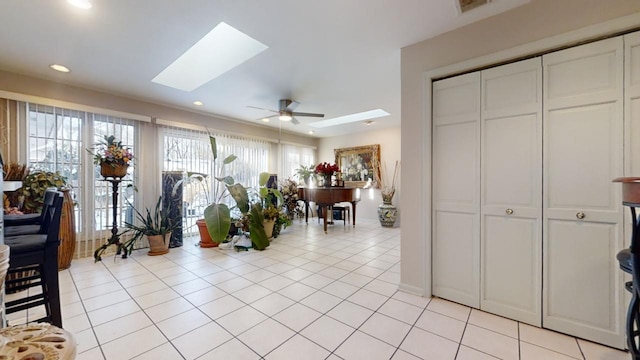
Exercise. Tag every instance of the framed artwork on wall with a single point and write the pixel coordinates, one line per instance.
(360, 165)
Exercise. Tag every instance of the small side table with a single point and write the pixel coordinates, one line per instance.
(629, 261)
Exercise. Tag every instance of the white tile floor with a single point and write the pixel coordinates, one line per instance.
(308, 296)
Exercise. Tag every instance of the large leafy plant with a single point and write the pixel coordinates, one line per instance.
(217, 215)
(34, 186)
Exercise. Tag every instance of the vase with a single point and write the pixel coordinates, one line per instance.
(325, 180)
(158, 244)
(268, 227)
(67, 232)
(205, 239)
(387, 214)
(115, 171)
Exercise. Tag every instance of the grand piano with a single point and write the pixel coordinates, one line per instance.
(326, 197)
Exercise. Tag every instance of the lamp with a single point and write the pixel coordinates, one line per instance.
(285, 115)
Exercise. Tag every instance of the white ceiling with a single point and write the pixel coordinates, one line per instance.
(335, 57)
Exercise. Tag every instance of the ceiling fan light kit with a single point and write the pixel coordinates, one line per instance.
(285, 111)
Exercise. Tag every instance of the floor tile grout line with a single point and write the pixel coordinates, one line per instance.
(153, 323)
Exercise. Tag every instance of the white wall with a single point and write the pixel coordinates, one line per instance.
(516, 33)
(389, 140)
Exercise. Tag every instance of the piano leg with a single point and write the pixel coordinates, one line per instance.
(354, 212)
(327, 209)
(306, 212)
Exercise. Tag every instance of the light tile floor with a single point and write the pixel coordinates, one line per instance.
(308, 296)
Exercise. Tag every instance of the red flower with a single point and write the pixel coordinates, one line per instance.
(326, 168)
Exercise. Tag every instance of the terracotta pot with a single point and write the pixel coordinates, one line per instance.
(118, 171)
(158, 245)
(205, 238)
(268, 227)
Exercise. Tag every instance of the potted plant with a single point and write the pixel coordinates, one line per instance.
(218, 215)
(270, 214)
(304, 173)
(35, 184)
(198, 180)
(156, 226)
(289, 191)
(282, 222)
(112, 156)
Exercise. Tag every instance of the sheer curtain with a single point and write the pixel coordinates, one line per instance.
(292, 156)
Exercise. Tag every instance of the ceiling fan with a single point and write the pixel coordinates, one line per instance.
(285, 111)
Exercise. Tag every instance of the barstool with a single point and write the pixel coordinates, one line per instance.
(629, 261)
(35, 340)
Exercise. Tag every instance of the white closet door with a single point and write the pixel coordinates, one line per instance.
(582, 211)
(632, 110)
(511, 191)
(456, 168)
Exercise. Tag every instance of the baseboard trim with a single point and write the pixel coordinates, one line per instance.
(414, 290)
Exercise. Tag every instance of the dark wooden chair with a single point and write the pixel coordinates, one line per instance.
(33, 262)
(30, 223)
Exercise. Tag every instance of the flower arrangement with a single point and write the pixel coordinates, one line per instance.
(387, 191)
(111, 151)
(324, 168)
(289, 191)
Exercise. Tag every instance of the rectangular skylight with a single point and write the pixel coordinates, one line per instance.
(371, 114)
(222, 49)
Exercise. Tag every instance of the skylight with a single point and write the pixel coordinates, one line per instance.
(371, 114)
(222, 49)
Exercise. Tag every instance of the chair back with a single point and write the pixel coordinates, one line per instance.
(45, 215)
(54, 212)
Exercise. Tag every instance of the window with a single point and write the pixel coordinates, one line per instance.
(57, 141)
(293, 156)
(190, 151)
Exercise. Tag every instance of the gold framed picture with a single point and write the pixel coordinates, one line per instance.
(359, 165)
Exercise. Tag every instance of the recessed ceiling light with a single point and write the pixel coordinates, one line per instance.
(368, 122)
(371, 114)
(82, 4)
(60, 68)
(198, 103)
(219, 51)
(265, 120)
(311, 132)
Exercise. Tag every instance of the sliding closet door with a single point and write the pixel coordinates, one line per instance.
(456, 189)
(511, 191)
(582, 212)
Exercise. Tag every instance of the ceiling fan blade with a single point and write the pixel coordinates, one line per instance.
(293, 105)
(295, 121)
(267, 117)
(259, 108)
(307, 114)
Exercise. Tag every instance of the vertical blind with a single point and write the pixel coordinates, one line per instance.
(57, 141)
(190, 151)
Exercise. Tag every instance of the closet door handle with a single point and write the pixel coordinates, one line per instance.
(580, 215)
(509, 211)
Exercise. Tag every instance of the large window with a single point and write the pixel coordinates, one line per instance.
(190, 151)
(57, 139)
(293, 156)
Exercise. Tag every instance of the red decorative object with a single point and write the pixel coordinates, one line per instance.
(326, 169)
